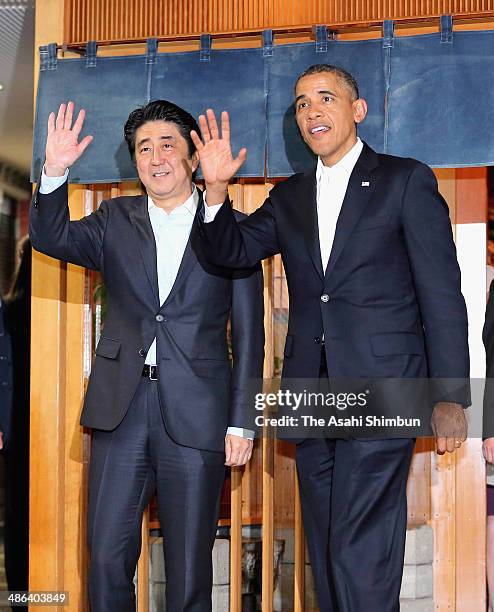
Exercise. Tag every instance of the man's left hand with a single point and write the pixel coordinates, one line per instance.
(238, 450)
(449, 425)
(215, 154)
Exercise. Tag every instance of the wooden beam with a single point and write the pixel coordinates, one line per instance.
(143, 567)
(299, 575)
(236, 541)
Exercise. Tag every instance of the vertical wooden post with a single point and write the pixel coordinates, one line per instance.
(236, 541)
(471, 217)
(458, 481)
(143, 567)
(57, 470)
(268, 457)
(299, 589)
(267, 523)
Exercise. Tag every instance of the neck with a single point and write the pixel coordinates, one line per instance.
(337, 156)
(170, 202)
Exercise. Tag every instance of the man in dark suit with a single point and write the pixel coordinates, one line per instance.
(374, 291)
(164, 404)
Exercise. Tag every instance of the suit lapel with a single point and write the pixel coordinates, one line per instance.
(359, 191)
(189, 258)
(139, 217)
(306, 203)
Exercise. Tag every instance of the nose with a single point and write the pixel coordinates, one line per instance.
(314, 111)
(157, 157)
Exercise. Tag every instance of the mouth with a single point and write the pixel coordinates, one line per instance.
(319, 129)
(160, 174)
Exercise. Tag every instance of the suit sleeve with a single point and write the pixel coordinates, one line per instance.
(53, 233)
(247, 332)
(241, 244)
(436, 275)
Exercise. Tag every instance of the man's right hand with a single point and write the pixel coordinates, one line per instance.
(62, 146)
(488, 450)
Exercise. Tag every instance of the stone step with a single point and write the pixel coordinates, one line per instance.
(417, 605)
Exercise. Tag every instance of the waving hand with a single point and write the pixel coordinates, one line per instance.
(62, 146)
(215, 153)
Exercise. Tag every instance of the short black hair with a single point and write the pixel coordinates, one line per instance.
(347, 79)
(160, 110)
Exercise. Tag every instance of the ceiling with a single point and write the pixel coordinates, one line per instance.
(17, 80)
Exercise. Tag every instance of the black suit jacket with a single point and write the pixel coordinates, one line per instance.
(389, 303)
(200, 393)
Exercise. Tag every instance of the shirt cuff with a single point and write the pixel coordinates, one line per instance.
(210, 211)
(48, 184)
(248, 434)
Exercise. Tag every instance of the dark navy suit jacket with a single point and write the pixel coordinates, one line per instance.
(389, 303)
(201, 395)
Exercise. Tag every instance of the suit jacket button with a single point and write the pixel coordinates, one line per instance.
(142, 352)
(160, 318)
(317, 340)
(324, 297)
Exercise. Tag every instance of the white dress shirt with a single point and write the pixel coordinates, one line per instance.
(332, 183)
(171, 233)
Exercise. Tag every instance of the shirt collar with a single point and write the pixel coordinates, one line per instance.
(189, 206)
(346, 163)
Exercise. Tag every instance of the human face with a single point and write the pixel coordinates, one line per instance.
(326, 115)
(163, 163)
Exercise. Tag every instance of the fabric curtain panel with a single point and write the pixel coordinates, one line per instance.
(108, 88)
(429, 97)
(286, 151)
(441, 99)
(231, 80)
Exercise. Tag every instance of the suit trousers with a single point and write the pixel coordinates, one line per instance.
(127, 465)
(354, 509)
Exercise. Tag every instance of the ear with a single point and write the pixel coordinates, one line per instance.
(359, 110)
(195, 161)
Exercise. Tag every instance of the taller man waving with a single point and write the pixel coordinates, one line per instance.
(374, 291)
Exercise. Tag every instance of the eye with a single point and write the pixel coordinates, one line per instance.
(167, 145)
(301, 105)
(327, 98)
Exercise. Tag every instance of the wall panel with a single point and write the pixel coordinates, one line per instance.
(129, 19)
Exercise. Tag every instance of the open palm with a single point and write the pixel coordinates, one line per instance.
(215, 153)
(62, 146)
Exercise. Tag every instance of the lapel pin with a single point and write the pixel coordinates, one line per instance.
(365, 184)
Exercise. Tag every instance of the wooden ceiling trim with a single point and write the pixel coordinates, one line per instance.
(137, 19)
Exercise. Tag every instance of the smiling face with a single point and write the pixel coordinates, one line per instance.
(163, 163)
(326, 115)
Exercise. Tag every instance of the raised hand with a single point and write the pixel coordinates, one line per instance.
(62, 146)
(215, 153)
